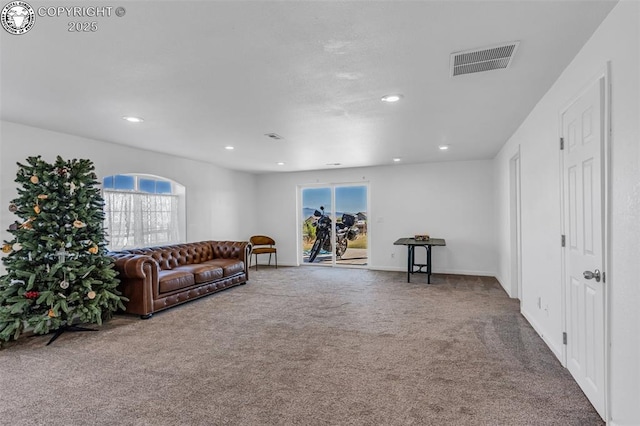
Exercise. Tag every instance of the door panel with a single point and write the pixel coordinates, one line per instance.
(582, 129)
(573, 209)
(591, 313)
(313, 199)
(575, 355)
(352, 200)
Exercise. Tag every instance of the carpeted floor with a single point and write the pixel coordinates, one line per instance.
(302, 346)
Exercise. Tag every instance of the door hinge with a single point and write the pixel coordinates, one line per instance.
(561, 144)
(563, 240)
(564, 338)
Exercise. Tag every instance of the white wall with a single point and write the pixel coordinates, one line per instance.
(617, 41)
(220, 202)
(454, 201)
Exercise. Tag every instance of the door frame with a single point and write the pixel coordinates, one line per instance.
(300, 219)
(601, 77)
(515, 212)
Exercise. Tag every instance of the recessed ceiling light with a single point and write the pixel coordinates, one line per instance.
(397, 160)
(133, 119)
(391, 98)
(443, 147)
(334, 164)
(229, 148)
(280, 163)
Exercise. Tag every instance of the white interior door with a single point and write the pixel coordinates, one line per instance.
(583, 133)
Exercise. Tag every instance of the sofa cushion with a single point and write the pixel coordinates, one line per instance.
(229, 266)
(202, 272)
(172, 280)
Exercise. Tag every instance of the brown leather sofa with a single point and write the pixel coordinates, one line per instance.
(156, 278)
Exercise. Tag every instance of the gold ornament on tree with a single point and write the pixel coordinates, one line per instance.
(34, 179)
(27, 223)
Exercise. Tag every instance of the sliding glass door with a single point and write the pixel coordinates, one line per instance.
(334, 235)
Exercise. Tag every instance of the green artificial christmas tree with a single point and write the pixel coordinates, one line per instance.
(58, 273)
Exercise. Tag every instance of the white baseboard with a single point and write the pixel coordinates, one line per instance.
(465, 272)
(388, 268)
(404, 269)
(557, 351)
(505, 288)
(436, 271)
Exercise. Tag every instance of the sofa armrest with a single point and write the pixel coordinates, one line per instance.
(133, 265)
(247, 258)
(138, 276)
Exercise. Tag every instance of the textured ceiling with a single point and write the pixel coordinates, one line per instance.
(208, 74)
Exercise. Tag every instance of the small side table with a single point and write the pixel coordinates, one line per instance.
(411, 244)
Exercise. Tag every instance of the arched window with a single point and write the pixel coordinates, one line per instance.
(143, 210)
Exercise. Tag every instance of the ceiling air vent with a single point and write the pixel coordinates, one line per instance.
(483, 59)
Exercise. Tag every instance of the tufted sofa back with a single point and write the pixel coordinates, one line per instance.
(169, 257)
(227, 249)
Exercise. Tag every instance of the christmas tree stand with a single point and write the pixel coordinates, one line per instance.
(61, 330)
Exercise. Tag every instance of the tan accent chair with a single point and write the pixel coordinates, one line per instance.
(261, 244)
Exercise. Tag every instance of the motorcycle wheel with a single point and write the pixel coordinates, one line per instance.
(315, 250)
(341, 247)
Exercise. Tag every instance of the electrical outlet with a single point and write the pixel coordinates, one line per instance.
(393, 255)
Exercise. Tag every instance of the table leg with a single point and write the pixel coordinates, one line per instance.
(410, 255)
(428, 264)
